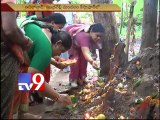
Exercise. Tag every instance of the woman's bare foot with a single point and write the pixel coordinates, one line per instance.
(28, 116)
(81, 82)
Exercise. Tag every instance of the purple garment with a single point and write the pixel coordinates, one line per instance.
(80, 40)
(79, 70)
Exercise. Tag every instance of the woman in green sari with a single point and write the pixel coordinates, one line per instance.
(47, 43)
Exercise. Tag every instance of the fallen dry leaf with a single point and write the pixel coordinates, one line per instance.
(85, 91)
(94, 93)
(121, 91)
(86, 97)
(103, 95)
(89, 85)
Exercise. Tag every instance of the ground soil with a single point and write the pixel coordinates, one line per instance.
(116, 98)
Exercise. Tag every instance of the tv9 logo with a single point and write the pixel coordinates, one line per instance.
(30, 81)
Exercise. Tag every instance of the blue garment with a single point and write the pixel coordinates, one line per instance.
(65, 56)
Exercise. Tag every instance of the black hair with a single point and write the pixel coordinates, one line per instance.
(96, 28)
(57, 18)
(50, 27)
(58, 35)
(63, 36)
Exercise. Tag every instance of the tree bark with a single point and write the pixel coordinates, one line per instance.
(149, 24)
(129, 28)
(121, 19)
(158, 29)
(108, 20)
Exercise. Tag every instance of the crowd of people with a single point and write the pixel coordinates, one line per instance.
(35, 43)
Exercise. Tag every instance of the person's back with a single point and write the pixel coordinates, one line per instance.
(13, 42)
(40, 44)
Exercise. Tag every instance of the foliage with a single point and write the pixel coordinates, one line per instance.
(84, 15)
(138, 31)
(75, 1)
(137, 83)
(20, 1)
(137, 15)
(138, 10)
(21, 14)
(73, 106)
(87, 15)
(80, 1)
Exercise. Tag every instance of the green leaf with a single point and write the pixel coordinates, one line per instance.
(81, 92)
(137, 83)
(155, 95)
(129, 1)
(74, 99)
(98, 72)
(72, 107)
(138, 101)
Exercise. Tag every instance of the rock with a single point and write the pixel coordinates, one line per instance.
(146, 88)
(150, 60)
(157, 112)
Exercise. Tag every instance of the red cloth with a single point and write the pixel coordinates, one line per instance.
(20, 97)
(18, 52)
(46, 2)
(29, 13)
(46, 13)
(47, 73)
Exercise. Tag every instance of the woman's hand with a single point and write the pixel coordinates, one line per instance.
(61, 65)
(95, 65)
(28, 44)
(56, 63)
(65, 99)
(59, 59)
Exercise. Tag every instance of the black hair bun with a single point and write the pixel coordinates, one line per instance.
(97, 28)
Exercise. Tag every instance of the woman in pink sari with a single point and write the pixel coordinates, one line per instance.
(85, 40)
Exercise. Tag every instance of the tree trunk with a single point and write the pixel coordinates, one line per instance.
(158, 29)
(129, 28)
(111, 37)
(121, 19)
(149, 24)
